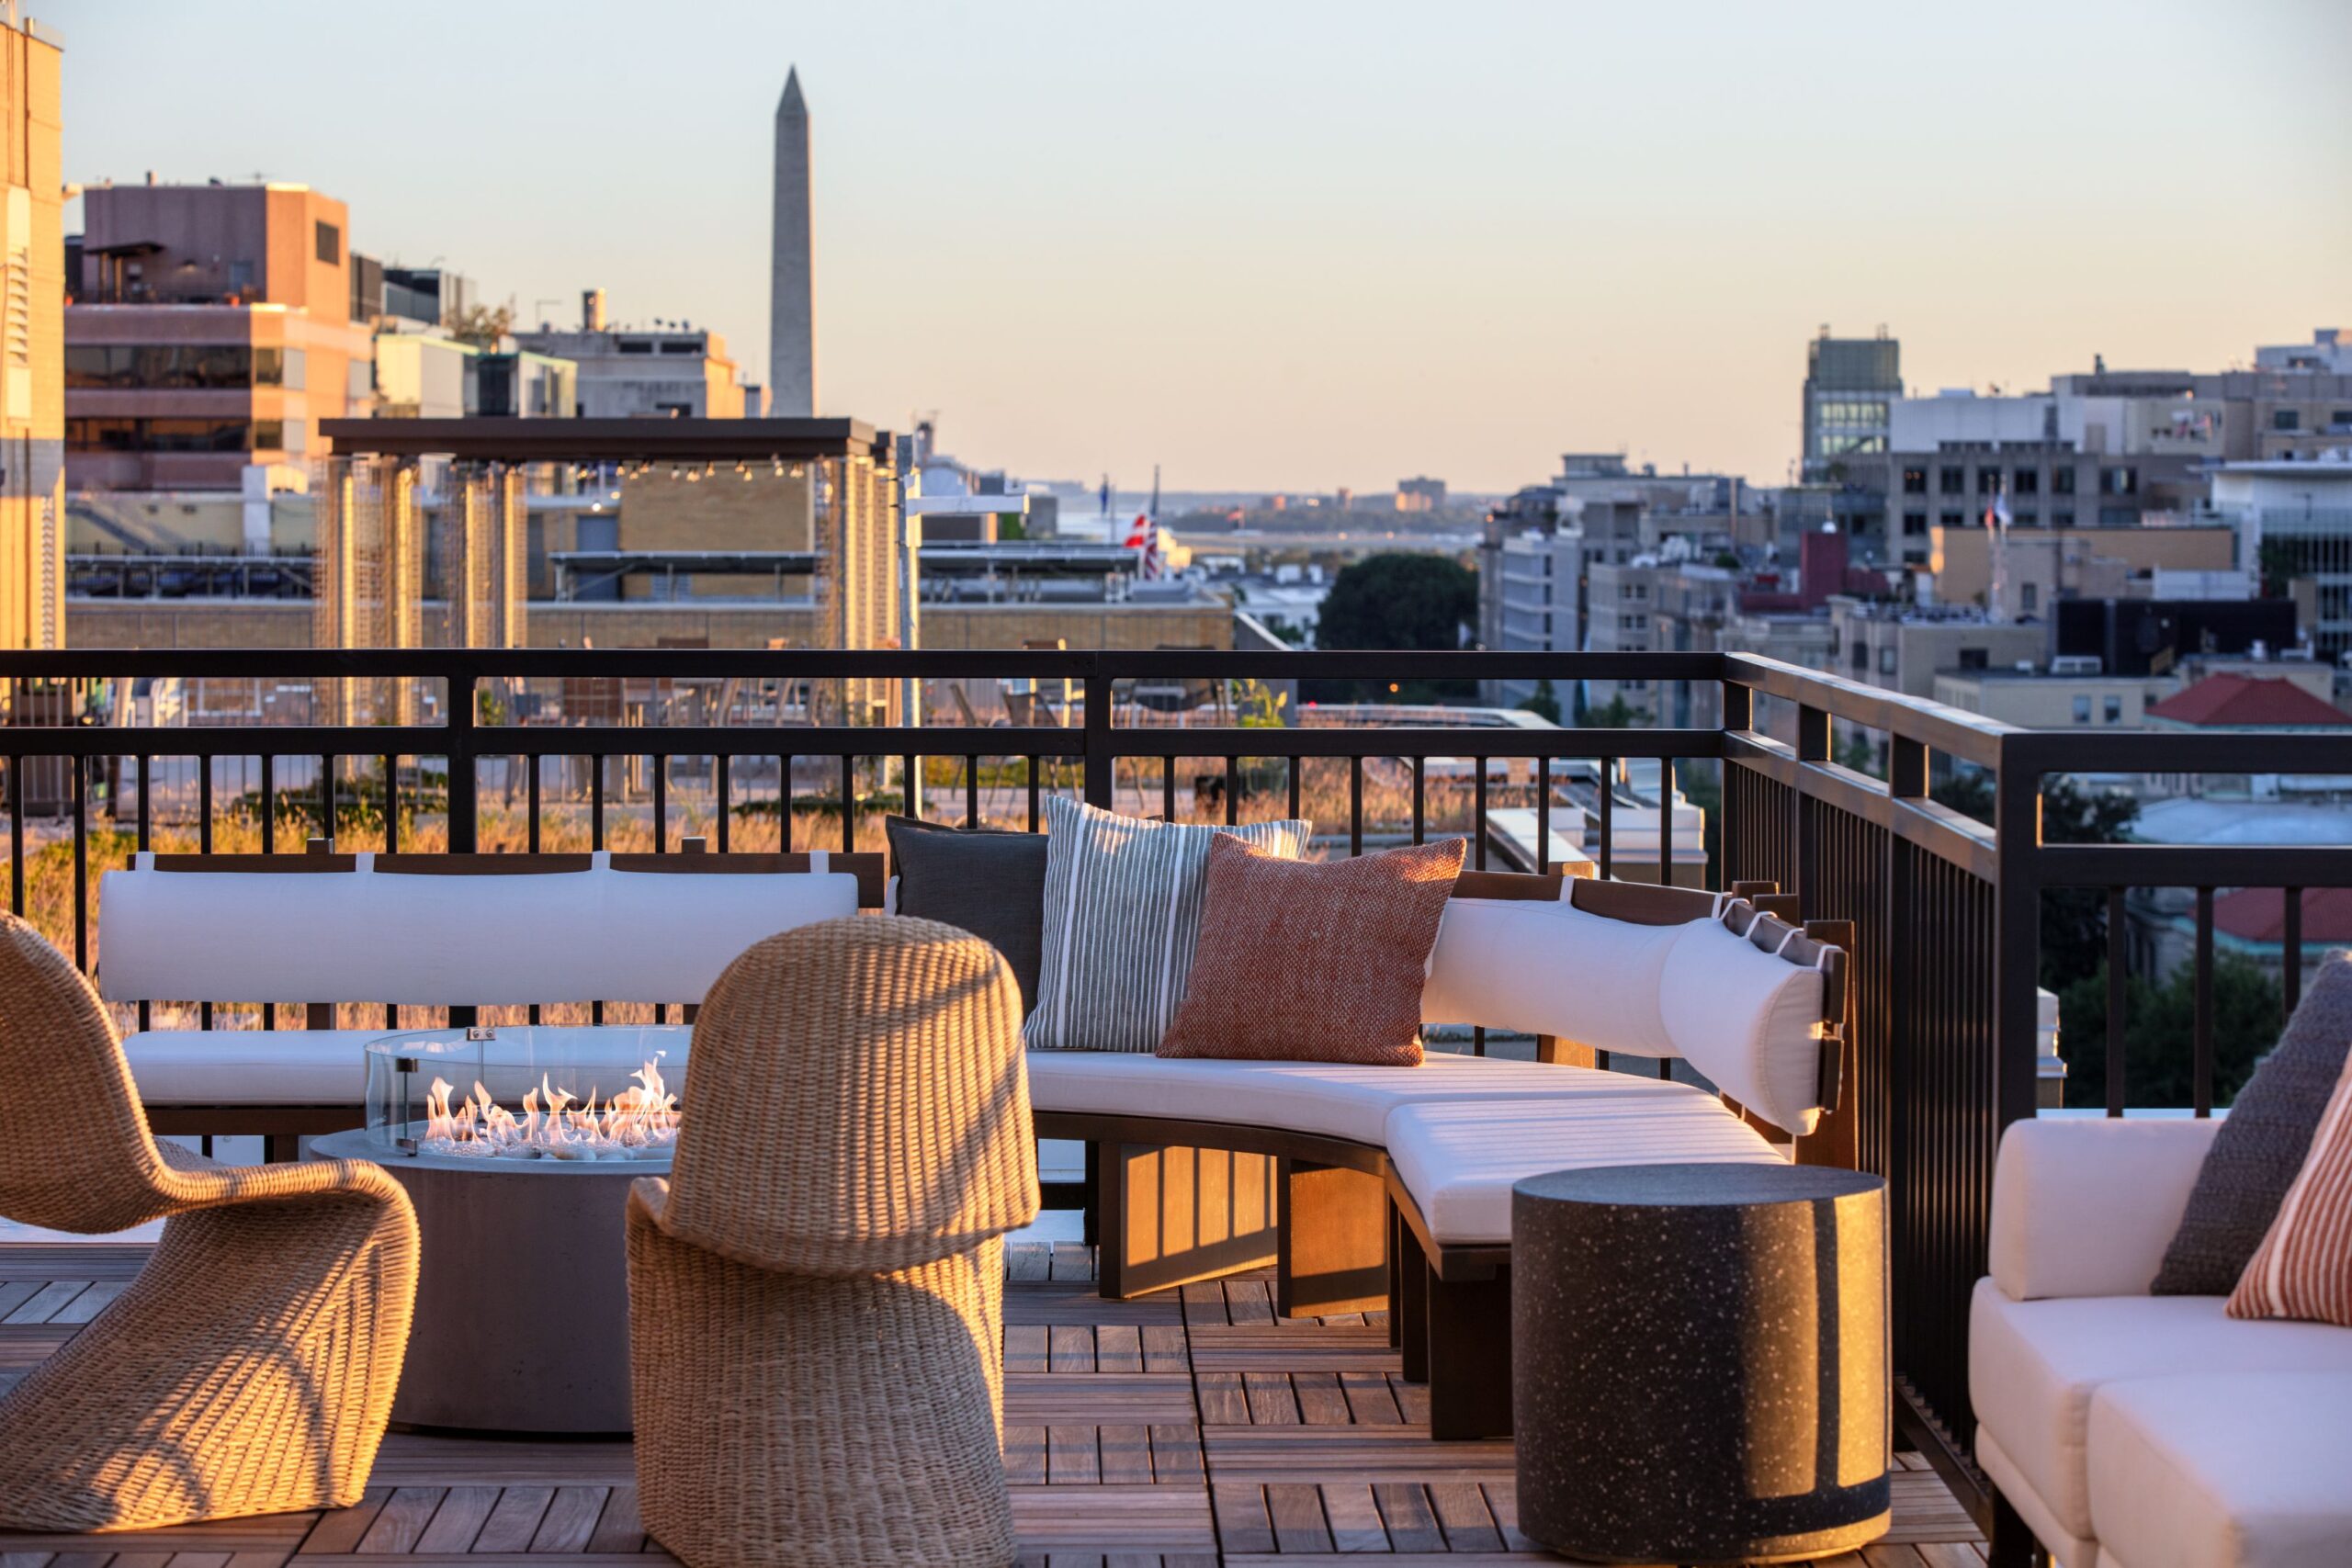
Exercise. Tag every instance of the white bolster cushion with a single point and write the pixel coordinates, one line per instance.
(1749, 1020)
(1546, 968)
(491, 940)
(2087, 1207)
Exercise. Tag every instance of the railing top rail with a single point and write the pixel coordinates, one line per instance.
(1967, 736)
(876, 663)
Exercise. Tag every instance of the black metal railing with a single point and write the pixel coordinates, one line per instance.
(1945, 909)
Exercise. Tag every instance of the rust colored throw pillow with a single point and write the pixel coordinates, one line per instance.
(2303, 1268)
(1314, 961)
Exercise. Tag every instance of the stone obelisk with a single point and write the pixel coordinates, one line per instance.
(792, 326)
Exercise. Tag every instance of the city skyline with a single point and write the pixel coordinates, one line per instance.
(1265, 253)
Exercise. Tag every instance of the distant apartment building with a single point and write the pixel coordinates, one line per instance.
(2045, 567)
(628, 374)
(32, 293)
(1903, 647)
(2294, 522)
(1421, 494)
(209, 332)
(1850, 387)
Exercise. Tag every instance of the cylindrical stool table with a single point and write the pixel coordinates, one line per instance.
(1698, 1362)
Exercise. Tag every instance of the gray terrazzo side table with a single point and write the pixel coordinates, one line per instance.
(1698, 1362)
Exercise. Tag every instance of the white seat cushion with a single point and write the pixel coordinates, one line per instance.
(2033, 1367)
(2246, 1470)
(1332, 1100)
(308, 1066)
(1458, 1159)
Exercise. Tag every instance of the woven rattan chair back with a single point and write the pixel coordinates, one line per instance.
(74, 1151)
(855, 1102)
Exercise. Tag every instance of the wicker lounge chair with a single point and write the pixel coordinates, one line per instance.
(250, 1366)
(816, 1293)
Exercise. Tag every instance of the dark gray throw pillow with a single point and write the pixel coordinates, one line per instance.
(2260, 1147)
(988, 881)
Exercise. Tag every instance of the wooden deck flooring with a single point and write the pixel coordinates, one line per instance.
(1182, 1431)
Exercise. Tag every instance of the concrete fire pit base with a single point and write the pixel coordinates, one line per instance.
(522, 1301)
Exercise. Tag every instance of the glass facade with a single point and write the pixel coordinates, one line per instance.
(85, 434)
(180, 367)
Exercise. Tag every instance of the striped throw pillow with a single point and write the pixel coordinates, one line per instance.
(2303, 1268)
(1122, 918)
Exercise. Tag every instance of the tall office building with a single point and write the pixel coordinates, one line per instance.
(32, 341)
(1850, 385)
(792, 292)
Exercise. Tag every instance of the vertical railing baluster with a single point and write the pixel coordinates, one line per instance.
(1542, 815)
(1297, 766)
(2117, 995)
(721, 783)
(16, 836)
(661, 803)
(1168, 789)
(531, 809)
(784, 804)
(971, 790)
(203, 846)
(1356, 806)
(326, 799)
(1421, 799)
(849, 802)
(464, 785)
(143, 843)
(909, 769)
(1232, 791)
(1478, 812)
(1607, 813)
(596, 802)
(2202, 1037)
(1666, 821)
(2291, 975)
(81, 865)
(1036, 807)
(392, 804)
(1100, 782)
(268, 804)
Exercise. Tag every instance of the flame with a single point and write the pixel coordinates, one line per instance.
(638, 1122)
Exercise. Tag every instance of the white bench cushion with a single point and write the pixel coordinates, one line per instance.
(308, 1066)
(1459, 1158)
(2246, 1470)
(2033, 1367)
(1550, 968)
(1332, 1100)
(491, 940)
(1746, 1018)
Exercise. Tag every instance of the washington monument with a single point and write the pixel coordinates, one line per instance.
(792, 327)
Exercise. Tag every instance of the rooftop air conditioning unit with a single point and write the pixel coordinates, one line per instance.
(2075, 664)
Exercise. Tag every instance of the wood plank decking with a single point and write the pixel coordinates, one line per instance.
(1181, 1431)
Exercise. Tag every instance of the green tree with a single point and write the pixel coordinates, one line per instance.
(1543, 702)
(1615, 714)
(1400, 601)
(2073, 919)
(2159, 1033)
(481, 326)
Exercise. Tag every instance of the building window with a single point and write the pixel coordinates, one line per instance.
(1988, 480)
(2029, 597)
(2061, 520)
(2118, 482)
(2340, 420)
(1952, 481)
(1886, 659)
(1861, 658)
(682, 345)
(2113, 710)
(1914, 482)
(1954, 519)
(2024, 481)
(111, 434)
(2286, 419)
(330, 243)
(1915, 523)
(269, 435)
(635, 345)
(2061, 481)
(2082, 710)
(1975, 658)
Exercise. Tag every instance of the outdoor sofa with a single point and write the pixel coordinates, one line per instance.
(1387, 1184)
(2133, 1430)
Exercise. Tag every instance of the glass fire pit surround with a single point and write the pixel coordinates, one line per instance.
(534, 1093)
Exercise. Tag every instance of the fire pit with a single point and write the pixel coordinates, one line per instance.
(517, 1146)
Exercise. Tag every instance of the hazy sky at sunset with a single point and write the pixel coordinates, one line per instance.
(1288, 245)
